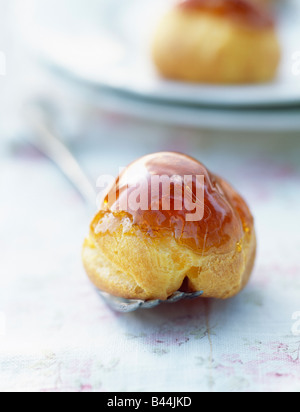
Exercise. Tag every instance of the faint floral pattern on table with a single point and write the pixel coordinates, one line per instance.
(62, 337)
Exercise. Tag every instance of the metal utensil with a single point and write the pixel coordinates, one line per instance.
(45, 139)
(130, 305)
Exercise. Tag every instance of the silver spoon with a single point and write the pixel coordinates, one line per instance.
(38, 114)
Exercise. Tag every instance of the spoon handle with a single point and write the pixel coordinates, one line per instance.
(48, 142)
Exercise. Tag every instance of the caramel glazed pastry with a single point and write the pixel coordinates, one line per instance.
(154, 253)
(217, 42)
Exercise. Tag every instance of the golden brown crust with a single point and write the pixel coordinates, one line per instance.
(248, 12)
(135, 266)
(123, 259)
(205, 47)
(225, 212)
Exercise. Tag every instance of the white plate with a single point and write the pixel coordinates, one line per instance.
(106, 43)
(204, 118)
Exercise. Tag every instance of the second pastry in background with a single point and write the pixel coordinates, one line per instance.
(217, 42)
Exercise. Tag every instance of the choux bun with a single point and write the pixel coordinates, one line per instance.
(152, 252)
(217, 42)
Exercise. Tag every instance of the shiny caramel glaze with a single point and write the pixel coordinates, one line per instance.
(226, 218)
(242, 11)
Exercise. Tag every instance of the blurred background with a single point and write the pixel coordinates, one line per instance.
(87, 65)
